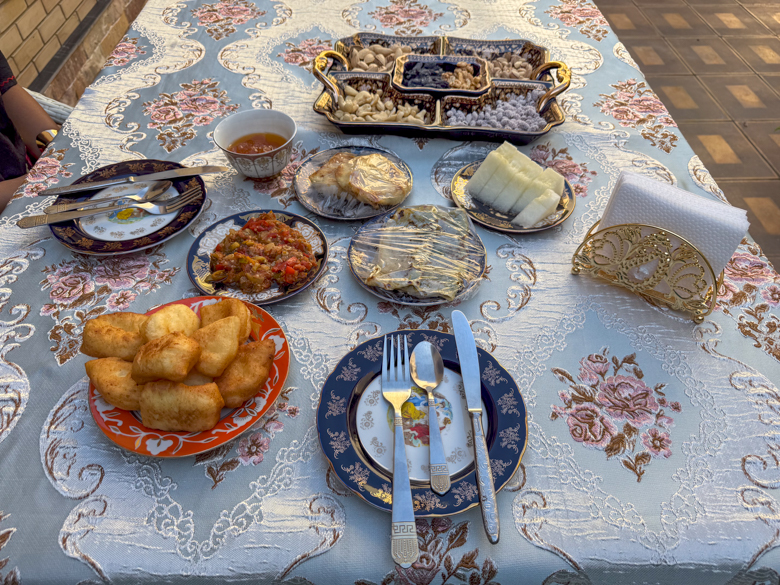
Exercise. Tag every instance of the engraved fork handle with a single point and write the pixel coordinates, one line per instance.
(440, 473)
(487, 491)
(404, 536)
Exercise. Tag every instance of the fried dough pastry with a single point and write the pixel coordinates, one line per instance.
(195, 378)
(219, 345)
(173, 406)
(113, 335)
(375, 180)
(247, 374)
(226, 308)
(111, 376)
(325, 179)
(170, 357)
(169, 320)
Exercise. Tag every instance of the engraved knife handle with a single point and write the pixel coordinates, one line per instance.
(404, 535)
(440, 473)
(37, 220)
(487, 491)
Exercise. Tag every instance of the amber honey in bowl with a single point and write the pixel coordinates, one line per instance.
(257, 143)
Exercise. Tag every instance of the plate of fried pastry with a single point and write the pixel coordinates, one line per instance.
(185, 377)
(352, 182)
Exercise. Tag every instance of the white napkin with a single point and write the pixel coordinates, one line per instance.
(715, 228)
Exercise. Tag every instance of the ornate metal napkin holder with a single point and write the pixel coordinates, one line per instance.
(652, 262)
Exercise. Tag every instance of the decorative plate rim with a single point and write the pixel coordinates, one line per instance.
(182, 438)
(305, 202)
(377, 497)
(388, 296)
(568, 194)
(192, 254)
(109, 247)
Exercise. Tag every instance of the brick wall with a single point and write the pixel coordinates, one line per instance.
(32, 31)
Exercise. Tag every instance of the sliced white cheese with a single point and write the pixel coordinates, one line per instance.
(538, 209)
(552, 179)
(483, 174)
(504, 173)
(507, 199)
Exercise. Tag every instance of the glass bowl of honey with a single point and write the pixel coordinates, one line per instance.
(258, 143)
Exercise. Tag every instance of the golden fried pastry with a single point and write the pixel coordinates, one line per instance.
(169, 320)
(226, 308)
(219, 345)
(111, 376)
(113, 335)
(375, 180)
(170, 357)
(195, 378)
(324, 179)
(172, 406)
(247, 374)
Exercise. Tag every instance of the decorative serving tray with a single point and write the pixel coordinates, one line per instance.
(345, 67)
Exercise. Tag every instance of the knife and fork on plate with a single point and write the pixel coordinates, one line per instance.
(397, 382)
(157, 184)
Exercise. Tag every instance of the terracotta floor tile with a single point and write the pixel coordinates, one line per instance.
(766, 137)
(731, 20)
(627, 21)
(675, 21)
(758, 198)
(761, 53)
(686, 98)
(725, 151)
(707, 55)
(769, 14)
(743, 97)
(655, 56)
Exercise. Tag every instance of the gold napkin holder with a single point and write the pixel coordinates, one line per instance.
(672, 264)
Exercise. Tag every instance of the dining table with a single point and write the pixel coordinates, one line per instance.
(688, 492)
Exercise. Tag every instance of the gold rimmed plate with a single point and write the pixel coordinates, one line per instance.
(502, 222)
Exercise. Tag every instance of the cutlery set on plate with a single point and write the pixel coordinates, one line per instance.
(157, 186)
(426, 369)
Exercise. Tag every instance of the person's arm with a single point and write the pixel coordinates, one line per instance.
(28, 116)
(8, 188)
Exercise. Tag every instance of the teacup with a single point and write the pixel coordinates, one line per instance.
(241, 124)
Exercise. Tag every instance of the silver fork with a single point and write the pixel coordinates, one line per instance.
(396, 389)
(171, 205)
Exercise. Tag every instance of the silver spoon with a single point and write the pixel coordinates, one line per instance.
(427, 372)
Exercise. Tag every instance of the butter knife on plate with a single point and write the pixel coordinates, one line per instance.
(469, 371)
(171, 174)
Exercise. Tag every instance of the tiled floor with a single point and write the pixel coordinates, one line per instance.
(716, 66)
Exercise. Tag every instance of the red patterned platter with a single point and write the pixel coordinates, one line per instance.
(124, 427)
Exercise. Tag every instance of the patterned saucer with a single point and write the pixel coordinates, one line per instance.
(124, 427)
(489, 217)
(94, 237)
(199, 256)
(356, 439)
(314, 201)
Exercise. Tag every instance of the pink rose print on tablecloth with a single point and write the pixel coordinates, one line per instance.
(304, 53)
(582, 15)
(635, 105)
(609, 406)
(221, 19)
(771, 295)
(251, 449)
(405, 17)
(175, 115)
(124, 52)
(89, 286)
(46, 173)
(561, 162)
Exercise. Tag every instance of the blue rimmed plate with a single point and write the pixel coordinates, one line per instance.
(199, 256)
(89, 238)
(356, 434)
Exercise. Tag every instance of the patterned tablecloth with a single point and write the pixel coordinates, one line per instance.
(687, 493)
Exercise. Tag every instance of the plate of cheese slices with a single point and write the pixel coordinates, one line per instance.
(509, 192)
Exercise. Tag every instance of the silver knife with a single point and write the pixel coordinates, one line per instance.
(172, 174)
(469, 370)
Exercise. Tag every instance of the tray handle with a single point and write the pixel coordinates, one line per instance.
(320, 63)
(564, 77)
